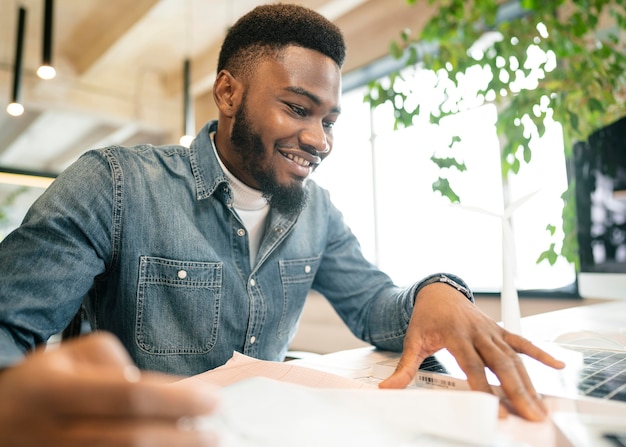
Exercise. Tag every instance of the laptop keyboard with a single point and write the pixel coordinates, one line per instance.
(603, 374)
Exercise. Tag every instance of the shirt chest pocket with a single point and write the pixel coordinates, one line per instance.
(178, 305)
(296, 276)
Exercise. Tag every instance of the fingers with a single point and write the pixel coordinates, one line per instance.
(98, 366)
(99, 348)
(524, 346)
(444, 318)
(405, 371)
(516, 384)
(520, 393)
(473, 366)
(500, 355)
(148, 397)
(88, 392)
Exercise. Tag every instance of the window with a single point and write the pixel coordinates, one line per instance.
(381, 180)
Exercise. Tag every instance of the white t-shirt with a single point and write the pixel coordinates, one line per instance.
(251, 207)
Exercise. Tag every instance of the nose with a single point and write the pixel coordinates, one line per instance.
(316, 139)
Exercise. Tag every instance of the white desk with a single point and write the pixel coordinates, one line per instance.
(513, 431)
(604, 319)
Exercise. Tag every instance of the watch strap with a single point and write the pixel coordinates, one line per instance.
(446, 278)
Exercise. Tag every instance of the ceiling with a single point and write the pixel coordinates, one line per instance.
(119, 68)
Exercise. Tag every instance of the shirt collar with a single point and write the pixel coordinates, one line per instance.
(208, 175)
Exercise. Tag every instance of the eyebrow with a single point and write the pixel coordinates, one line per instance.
(311, 96)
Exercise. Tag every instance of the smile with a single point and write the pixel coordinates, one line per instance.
(299, 160)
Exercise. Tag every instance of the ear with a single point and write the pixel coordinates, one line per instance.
(227, 92)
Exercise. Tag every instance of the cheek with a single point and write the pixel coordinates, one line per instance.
(270, 124)
(279, 121)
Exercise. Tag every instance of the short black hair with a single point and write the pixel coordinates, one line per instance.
(269, 29)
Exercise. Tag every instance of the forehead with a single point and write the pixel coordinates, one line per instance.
(301, 68)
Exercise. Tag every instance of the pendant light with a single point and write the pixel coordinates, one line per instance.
(15, 108)
(188, 115)
(46, 70)
(189, 128)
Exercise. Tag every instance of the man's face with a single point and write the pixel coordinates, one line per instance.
(283, 127)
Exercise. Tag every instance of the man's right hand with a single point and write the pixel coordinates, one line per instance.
(87, 392)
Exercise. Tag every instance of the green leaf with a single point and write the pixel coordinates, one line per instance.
(573, 120)
(442, 185)
(549, 255)
(515, 166)
(527, 153)
(455, 139)
(447, 163)
(595, 105)
(396, 50)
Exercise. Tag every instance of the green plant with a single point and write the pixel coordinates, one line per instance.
(563, 60)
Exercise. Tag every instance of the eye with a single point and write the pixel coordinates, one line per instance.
(328, 124)
(298, 110)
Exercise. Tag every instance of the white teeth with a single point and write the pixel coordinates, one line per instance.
(301, 161)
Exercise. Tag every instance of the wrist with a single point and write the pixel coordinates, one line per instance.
(448, 279)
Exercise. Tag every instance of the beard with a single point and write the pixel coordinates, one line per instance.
(286, 199)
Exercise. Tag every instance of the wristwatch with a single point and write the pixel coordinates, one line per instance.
(446, 278)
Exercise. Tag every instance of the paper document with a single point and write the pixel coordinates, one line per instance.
(276, 404)
(241, 367)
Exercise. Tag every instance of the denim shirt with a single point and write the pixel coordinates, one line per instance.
(147, 238)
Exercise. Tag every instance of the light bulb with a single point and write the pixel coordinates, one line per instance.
(186, 140)
(46, 72)
(15, 109)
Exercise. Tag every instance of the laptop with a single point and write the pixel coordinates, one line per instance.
(594, 379)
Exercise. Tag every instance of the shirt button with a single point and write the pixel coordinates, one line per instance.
(252, 282)
(252, 340)
(307, 269)
(278, 230)
(241, 232)
(182, 274)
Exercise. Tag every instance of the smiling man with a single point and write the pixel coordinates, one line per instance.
(189, 254)
(292, 97)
